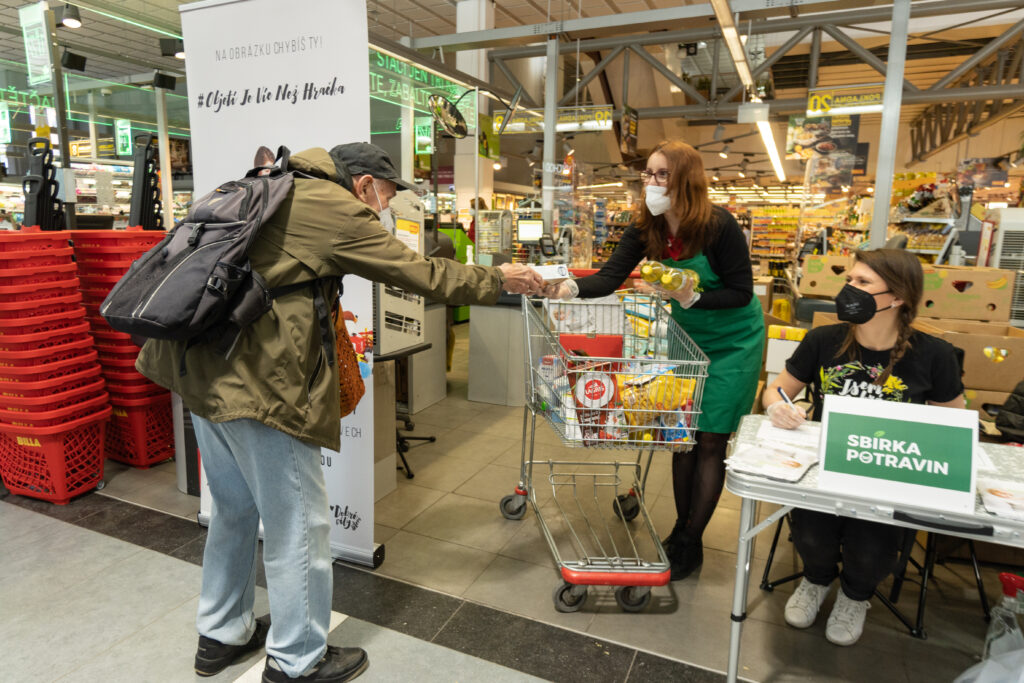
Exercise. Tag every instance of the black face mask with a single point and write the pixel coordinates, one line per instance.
(857, 306)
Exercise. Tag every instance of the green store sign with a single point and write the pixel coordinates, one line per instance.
(407, 85)
(12, 95)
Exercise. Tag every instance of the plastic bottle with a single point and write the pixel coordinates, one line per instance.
(1004, 634)
(652, 271)
(672, 279)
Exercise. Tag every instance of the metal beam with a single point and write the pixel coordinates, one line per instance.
(673, 79)
(515, 82)
(891, 101)
(779, 53)
(866, 56)
(979, 56)
(970, 132)
(547, 189)
(589, 76)
(119, 12)
(812, 72)
(786, 25)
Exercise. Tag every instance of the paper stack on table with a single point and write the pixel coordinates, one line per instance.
(773, 460)
(1002, 498)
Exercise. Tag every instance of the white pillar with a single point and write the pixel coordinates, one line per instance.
(164, 148)
(473, 177)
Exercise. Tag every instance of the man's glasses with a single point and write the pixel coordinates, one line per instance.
(661, 176)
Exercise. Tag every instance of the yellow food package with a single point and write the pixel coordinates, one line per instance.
(669, 392)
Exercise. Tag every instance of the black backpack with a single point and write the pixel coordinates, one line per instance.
(197, 284)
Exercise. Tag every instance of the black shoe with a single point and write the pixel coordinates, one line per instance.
(688, 556)
(670, 541)
(337, 665)
(213, 656)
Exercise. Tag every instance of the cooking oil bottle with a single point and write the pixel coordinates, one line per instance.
(652, 271)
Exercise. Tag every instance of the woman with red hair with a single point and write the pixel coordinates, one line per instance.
(679, 227)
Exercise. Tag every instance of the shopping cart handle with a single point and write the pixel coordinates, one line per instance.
(941, 524)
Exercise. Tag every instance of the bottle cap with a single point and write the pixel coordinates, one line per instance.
(1011, 584)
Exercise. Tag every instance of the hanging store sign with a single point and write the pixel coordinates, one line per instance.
(844, 101)
(570, 119)
(5, 124)
(902, 453)
(488, 143)
(123, 136)
(37, 46)
(83, 148)
(808, 136)
(629, 126)
(403, 83)
(423, 134)
(981, 172)
(860, 164)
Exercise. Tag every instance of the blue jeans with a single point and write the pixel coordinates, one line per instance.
(255, 472)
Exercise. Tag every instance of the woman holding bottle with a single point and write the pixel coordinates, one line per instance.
(680, 228)
(874, 353)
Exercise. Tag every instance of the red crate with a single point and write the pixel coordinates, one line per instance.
(37, 274)
(54, 463)
(43, 340)
(139, 239)
(42, 323)
(33, 241)
(51, 354)
(32, 259)
(47, 387)
(57, 416)
(31, 309)
(54, 400)
(141, 431)
(59, 368)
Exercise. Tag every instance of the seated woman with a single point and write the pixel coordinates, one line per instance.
(874, 353)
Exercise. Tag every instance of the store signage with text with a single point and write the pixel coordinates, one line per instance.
(83, 148)
(400, 82)
(5, 124)
(917, 455)
(123, 136)
(839, 102)
(37, 47)
(570, 119)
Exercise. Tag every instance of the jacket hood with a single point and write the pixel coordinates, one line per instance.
(317, 162)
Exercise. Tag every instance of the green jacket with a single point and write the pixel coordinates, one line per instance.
(277, 373)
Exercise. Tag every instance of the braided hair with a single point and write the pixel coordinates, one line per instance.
(901, 271)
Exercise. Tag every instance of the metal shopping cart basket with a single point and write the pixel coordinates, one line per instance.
(617, 374)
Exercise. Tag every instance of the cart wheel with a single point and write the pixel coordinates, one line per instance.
(626, 507)
(633, 598)
(513, 506)
(100, 484)
(569, 597)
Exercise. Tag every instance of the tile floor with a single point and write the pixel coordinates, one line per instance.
(461, 588)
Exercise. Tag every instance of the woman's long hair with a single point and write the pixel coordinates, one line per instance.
(688, 189)
(902, 274)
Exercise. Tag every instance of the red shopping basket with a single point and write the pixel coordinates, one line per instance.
(59, 368)
(140, 239)
(31, 309)
(54, 463)
(22, 417)
(50, 386)
(33, 241)
(104, 268)
(37, 274)
(51, 354)
(45, 339)
(32, 259)
(39, 290)
(41, 323)
(52, 401)
(141, 431)
(134, 390)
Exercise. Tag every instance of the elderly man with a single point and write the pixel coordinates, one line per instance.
(262, 414)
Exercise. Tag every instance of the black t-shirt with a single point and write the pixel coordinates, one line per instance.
(928, 371)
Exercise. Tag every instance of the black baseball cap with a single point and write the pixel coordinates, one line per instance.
(363, 158)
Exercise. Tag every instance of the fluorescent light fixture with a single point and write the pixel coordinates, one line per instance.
(768, 137)
(732, 40)
(591, 187)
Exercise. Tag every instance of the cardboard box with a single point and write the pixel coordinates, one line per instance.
(993, 353)
(763, 291)
(966, 293)
(823, 276)
(985, 402)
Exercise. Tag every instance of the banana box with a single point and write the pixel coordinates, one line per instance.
(993, 353)
(967, 293)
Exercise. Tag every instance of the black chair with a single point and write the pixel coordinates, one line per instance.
(926, 571)
(402, 444)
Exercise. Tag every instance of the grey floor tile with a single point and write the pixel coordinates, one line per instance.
(397, 657)
(428, 562)
(467, 521)
(554, 654)
(382, 533)
(443, 472)
(16, 521)
(491, 484)
(403, 504)
(392, 604)
(472, 444)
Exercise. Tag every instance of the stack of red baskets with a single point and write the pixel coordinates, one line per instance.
(141, 430)
(53, 406)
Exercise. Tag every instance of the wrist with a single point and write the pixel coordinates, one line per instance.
(572, 289)
(694, 298)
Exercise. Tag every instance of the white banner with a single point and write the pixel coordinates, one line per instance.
(270, 73)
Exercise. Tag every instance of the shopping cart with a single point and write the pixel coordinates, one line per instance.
(606, 375)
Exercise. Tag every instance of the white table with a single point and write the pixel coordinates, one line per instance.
(805, 494)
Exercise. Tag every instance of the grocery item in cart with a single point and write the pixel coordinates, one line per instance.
(676, 426)
(595, 395)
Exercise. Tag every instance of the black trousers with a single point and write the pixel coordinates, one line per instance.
(868, 550)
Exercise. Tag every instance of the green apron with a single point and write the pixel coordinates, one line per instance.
(733, 339)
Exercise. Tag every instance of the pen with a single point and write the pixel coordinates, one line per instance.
(785, 398)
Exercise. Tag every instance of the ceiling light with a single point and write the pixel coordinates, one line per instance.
(871, 189)
(742, 174)
(497, 165)
(172, 47)
(719, 132)
(725, 152)
(715, 177)
(70, 18)
(567, 146)
(723, 14)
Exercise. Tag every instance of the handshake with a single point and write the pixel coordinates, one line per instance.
(522, 279)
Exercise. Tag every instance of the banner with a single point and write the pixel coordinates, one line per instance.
(629, 127)
(570, 119)
(488, 142)
(37, 43)
(262, 72)
(807, 136)
(906, 453)
(981, 172)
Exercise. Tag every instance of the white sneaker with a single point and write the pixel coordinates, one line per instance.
(846, 622)
(802, 607)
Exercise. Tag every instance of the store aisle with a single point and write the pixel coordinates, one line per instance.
(463, 593)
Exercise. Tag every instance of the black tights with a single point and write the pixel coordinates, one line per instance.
(697, 479)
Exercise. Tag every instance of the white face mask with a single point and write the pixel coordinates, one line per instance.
(387, 216)
(657, 199)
